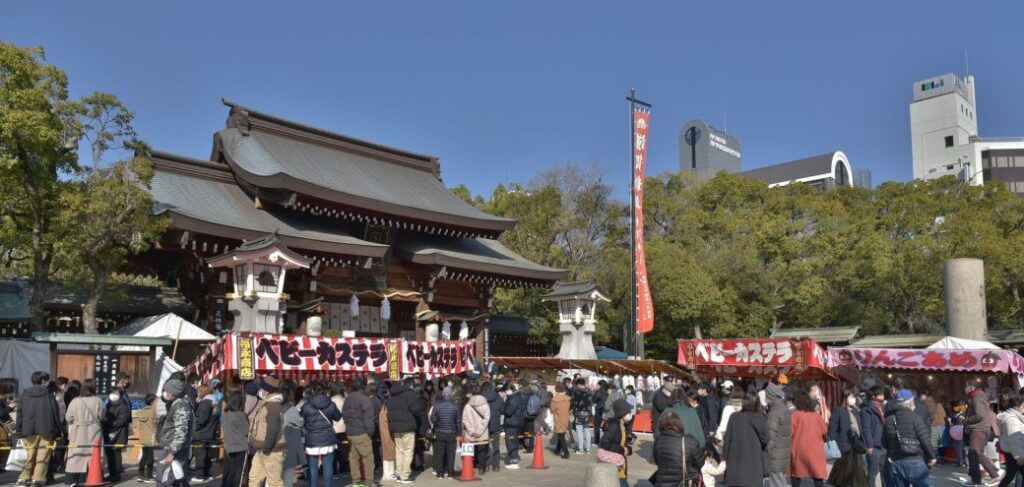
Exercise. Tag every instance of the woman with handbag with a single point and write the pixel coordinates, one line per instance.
(844, 430)
(318, 417)
(678, 456)
(808, 432)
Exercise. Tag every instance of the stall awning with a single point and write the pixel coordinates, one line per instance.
(755, 357)
(612, 367)
(932, 359)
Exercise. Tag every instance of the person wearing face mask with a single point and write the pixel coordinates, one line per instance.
(613, 438)
(116, 424)
(174, 436)
(844, 428)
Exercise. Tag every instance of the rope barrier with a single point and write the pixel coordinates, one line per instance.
(54, 446)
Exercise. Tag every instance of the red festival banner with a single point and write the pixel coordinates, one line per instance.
(754, 357)
(644, 303)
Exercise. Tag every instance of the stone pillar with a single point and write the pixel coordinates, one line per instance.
(964, 281)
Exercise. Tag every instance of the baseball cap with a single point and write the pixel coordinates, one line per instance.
(904, 395)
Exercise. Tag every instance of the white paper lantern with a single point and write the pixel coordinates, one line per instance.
(463, 331)
(446, 331)
(353, 306)
(385, 309)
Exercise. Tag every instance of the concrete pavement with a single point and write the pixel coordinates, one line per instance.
(562, 473)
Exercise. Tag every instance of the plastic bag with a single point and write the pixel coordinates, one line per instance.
(990, 451)
(16, 460)
(832, 450)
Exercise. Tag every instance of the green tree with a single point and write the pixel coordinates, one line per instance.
(48, 202)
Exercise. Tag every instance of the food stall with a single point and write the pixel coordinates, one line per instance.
(247, 356)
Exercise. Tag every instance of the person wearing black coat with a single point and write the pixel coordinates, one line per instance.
(663, 398)
(746, 437)
(844, 428)
(447, 423)
(318, 417)
(360, 425)
(38, 423)
(405, 408)
(709, 408)
(599, 398)
(515, 416)
(207, 430)
(497, 406)
(669, 448)
(116, 423)
(872, 424)
(907, 467)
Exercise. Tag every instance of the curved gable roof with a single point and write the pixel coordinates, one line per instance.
(270, 152)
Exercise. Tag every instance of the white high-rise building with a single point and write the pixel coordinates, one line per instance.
(942, 123)
(945, 140)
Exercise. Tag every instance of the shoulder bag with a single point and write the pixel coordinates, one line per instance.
(908, 446)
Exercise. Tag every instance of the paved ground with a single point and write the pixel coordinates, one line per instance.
(562, 473)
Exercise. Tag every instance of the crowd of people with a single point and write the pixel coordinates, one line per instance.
(781, 434)
(366, 430)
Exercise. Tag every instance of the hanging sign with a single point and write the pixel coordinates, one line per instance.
(755, 357)
(934, 359)
(246, 364)
(394, 358)
(439, 358)
(644, 303)
(105, 371)
(290, 352)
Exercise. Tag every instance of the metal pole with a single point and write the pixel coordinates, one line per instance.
(631, 329)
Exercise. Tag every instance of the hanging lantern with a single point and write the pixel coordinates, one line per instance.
(463, 331)
(385, 309)
(446, 331)
(353, 305)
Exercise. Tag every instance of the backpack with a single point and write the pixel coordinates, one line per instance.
(533, 406)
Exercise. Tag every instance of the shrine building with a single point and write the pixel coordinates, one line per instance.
(357, 226)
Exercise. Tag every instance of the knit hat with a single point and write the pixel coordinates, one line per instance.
(175, 387)
(251, 388)
(904, 395)
(620, 408)
(271, 384)
(775, 392)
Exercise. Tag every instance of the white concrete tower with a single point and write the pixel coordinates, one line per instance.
(942, 122)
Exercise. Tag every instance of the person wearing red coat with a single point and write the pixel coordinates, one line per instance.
(809, 430)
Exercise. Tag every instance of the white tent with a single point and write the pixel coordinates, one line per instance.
(167, 325)
(953, 343)
(19, 359)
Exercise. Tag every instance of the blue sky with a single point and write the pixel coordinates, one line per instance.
(509, 89)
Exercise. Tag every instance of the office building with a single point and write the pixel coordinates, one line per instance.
(945, 139)
(862, 178)
(826, 171)
(705, 150)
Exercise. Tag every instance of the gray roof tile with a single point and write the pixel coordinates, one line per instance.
(276, 161)
(473, 254)
(218, 206)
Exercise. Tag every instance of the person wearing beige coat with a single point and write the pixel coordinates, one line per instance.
(560, 411)
(84, 417)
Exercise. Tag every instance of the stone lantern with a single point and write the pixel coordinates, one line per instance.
(577, 303)
(258, 302)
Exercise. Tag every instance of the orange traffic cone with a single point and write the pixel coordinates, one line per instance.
(468, 472)
(538, 453)
(95, 476)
